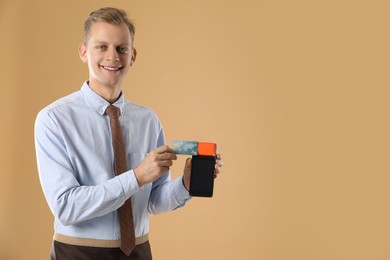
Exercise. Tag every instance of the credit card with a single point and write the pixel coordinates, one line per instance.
(185, 147)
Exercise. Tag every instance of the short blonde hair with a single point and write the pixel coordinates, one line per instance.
(109, 15)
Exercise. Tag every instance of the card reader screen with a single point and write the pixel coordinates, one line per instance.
(202, 176)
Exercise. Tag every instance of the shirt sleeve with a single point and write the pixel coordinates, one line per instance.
(167, 194)
(70, 202)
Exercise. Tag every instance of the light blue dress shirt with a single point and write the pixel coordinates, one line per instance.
(76, 166)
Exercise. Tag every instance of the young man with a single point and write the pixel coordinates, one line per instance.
(80, 155)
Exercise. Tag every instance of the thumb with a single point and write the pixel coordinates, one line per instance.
(187, 173)
(188, 163)
(187, 167)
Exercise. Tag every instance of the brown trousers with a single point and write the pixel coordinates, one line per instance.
(62, 251)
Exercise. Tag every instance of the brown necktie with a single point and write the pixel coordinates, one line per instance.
(125, 211)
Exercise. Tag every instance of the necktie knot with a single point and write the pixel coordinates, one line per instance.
(113, 111)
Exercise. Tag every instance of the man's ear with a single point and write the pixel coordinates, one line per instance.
(133, 57)
(83, 52)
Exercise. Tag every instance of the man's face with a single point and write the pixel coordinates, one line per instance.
(109, 54)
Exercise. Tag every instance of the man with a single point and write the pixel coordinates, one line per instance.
(78, 156)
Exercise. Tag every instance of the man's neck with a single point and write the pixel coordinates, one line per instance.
(109, 93)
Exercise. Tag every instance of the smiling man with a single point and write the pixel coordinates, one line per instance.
(102, 160)
(108, 51)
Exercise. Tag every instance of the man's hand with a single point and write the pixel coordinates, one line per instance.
(187, 170)
(154, 165)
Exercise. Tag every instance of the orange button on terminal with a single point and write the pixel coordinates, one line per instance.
(208, 149)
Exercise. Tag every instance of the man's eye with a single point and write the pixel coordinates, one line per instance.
(101, 47)
(124, 49)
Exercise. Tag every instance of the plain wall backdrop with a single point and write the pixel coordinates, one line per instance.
(295, 94)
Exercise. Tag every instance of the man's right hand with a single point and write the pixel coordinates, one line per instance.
(154, 165)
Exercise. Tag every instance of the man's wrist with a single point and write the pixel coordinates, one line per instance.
(138, 178)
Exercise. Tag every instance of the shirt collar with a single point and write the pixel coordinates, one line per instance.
(99, 103)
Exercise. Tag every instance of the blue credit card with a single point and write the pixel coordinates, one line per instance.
(185, 147)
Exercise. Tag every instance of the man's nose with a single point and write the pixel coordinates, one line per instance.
(112, 55)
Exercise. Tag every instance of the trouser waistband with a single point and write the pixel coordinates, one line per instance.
(78, 241)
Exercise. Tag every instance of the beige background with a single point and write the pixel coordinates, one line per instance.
(295, 94)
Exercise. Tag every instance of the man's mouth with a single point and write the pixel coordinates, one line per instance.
(111, 68)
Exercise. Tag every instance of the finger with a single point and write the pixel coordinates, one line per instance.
(188, 162)
(167, 156)
(218, 156)
(164, 149)
(165, 163)
(187, 167)
(219, 163)
(165, 169)
(217, 169)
